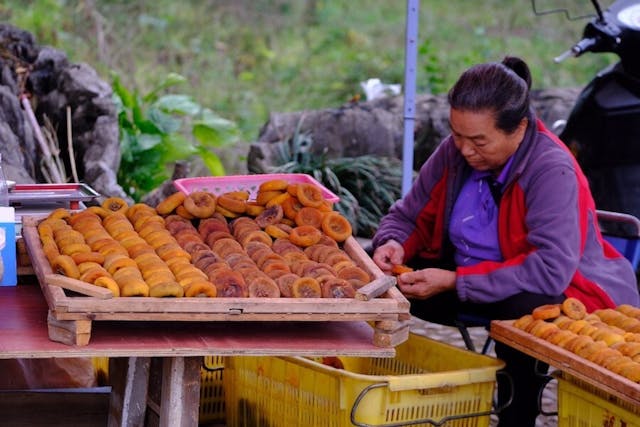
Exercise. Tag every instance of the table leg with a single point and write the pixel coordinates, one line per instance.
(129, 378)
(180, 401)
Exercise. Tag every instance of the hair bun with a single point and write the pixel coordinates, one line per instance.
(519, 67)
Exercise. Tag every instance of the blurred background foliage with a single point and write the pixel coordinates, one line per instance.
(236, 61)
(246, 58)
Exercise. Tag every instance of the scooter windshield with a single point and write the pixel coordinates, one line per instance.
(573, 10)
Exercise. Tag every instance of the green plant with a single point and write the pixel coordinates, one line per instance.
(367, 185)
(157, 129)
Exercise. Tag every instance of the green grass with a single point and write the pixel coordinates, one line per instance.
(247, 58)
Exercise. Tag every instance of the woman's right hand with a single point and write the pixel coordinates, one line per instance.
(388, 255)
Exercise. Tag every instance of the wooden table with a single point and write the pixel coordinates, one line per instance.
(23, 334)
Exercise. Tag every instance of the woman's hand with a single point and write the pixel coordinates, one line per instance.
(422, 284)
(388, 255)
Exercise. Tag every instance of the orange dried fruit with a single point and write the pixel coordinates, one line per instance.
(399, 269)
(229, 283)
(276, 232)
(200, 204)
(305, 235)
(275, 184)
(201, 288)
(574, 308)
(337, 288)
(170, 203)
(109, 283)
(309, 216)
(115, 204)
(263, 287)
(63, 264)
(263, 197)
(546, 311)
(166, 289)
(285, 282)
(231, 203)
(271, 215)
(336, 226)
(309, 195)
(134, 287)
(306, 287)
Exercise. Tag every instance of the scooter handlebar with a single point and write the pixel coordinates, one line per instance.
(578, 49)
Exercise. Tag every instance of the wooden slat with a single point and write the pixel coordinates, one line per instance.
(376, 288)
(564, 360)
(78, 286)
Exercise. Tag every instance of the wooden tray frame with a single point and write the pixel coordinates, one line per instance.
(566, 361)
(71, 314)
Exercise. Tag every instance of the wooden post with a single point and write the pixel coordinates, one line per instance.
(129, 378)
(180, 392)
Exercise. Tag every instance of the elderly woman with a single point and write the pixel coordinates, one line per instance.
(500, 220)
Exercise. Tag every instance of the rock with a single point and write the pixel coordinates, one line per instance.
(377, 127)
(55, 86)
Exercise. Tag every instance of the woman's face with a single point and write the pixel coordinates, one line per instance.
(483, 146)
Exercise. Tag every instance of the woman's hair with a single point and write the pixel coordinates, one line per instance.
(502, 88)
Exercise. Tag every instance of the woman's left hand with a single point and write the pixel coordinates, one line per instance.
(422, 284)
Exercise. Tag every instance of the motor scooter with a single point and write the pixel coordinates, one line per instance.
(603, 128)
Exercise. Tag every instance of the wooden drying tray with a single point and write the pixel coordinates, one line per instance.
(566, 361)
(71, 313)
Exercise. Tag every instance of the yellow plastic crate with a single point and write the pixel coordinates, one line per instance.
(583, 405)
(427, 380)
(211, 390)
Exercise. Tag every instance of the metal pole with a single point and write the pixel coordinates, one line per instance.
(411, 50)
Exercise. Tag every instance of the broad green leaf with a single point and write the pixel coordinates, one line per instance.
(212, 162)
(176, 147)
(165, 123)
(177, 104)
(147, 142)
(125, 97)
(172, 79)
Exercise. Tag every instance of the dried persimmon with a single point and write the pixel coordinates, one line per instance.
(170, 203)
(167, 289)
(133, 287)
(253, 209)
(309, 216)
(208, 225)
(63, 264)
(275, 184)
(263, 287)
(306, 287)
(337, 288)
(354, 272)
(229, 283)
(93, 273)
(399, 269)
(276, 232)
(263, 197)
(200, 204)
(108, 283)
(214, 236)
(115, 204)
(201, 288)
(336, 226)
(305, 235)
(285, 282)
(271, 215)
(234, 204)
(309, 195)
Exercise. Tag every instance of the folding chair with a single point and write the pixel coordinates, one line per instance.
(623, 232)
